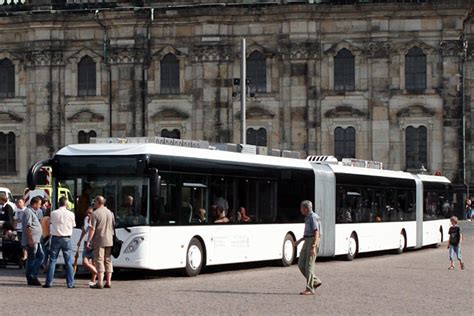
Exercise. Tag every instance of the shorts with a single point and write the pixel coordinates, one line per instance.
(454, 250)
(89, 254)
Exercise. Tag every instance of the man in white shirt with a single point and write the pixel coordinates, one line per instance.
(62, 222)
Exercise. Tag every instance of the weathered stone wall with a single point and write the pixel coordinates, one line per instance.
(300, 109)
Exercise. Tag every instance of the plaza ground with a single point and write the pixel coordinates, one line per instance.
(416, 282)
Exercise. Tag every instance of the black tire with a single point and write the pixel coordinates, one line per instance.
(353, 248)
(288, 258)
(194, 258)
(401, 246)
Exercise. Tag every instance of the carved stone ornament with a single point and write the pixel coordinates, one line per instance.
(44, 58)
(415, 110)
(10, 117)
(379, 49)
(451, 48)
(306, 50)
(345, 111)
(169, 114)
(126, 56)
(213, 53)
(86, 116)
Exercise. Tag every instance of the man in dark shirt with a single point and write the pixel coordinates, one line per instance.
(454, 244)
(7, 212)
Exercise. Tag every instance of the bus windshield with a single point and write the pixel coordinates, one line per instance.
(126, 197)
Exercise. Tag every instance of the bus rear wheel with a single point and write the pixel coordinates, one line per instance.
(194, 258)
(352, 248)
(289, 251)
(401, 244)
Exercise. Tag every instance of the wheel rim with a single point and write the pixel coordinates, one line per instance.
(402, 242)
(352, 246)
(194, 257)
(288, 250)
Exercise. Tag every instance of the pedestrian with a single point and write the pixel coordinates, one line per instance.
(20, 210)
(31, 237)
(87, 253)
(454, 244)
(468, 209)
(311, 237)
(100, 240)
(45, 237)
(7, 211)
(62, 222)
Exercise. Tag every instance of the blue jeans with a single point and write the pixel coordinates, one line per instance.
(35, 258)
(58, 244)
(455, 250)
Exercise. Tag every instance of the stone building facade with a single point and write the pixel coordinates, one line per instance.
(326, 78)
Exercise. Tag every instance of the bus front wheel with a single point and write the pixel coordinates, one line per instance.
(289, 251)
(194, 258)
(352, 248)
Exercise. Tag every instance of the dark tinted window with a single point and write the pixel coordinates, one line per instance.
(363, 199)
(87, 77)
(437, 201)
(344, 143)
(7, 153)
(257, 72)
(416, 147)
(7, 79)
(415, 70)
(175, 133)
(169, 75)
(85, 138)
(257, 137)
(344, 75)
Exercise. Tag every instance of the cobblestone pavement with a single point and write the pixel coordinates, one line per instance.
(416, 282)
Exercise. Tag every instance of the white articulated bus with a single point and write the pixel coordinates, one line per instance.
(163, 197)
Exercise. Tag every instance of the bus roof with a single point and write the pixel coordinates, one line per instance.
(430, 178)
(176, 151)
(371, 172)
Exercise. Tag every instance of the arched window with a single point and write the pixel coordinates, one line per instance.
(344, 143)
(257, 137)
(7, 153)
(169, 82)
(257, 72)
(175, 133)
(415, 70)
(85, 138)
(87, 77)
(344, 73)
(416, 147)
(7, 79)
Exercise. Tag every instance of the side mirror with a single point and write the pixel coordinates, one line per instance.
(32, 178)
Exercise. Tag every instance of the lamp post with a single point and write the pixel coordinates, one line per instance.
(243, 95)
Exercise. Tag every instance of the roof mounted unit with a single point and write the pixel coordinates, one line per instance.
(323, 159)
(351, 162)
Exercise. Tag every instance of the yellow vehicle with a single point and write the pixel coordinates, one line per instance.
(44, 189)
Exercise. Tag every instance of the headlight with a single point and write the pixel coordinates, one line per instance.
(134, 244)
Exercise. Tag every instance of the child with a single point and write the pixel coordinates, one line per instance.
(454, 244)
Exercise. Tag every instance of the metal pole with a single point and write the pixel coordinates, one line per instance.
(243, 95)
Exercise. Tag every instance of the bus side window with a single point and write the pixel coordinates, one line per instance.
(266, 201)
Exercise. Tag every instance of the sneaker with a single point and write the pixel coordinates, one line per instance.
(97, 286)
(451, 268)
(46, 286)
(34, 282)
(108, 286)
(462, 266)
(92, 283)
